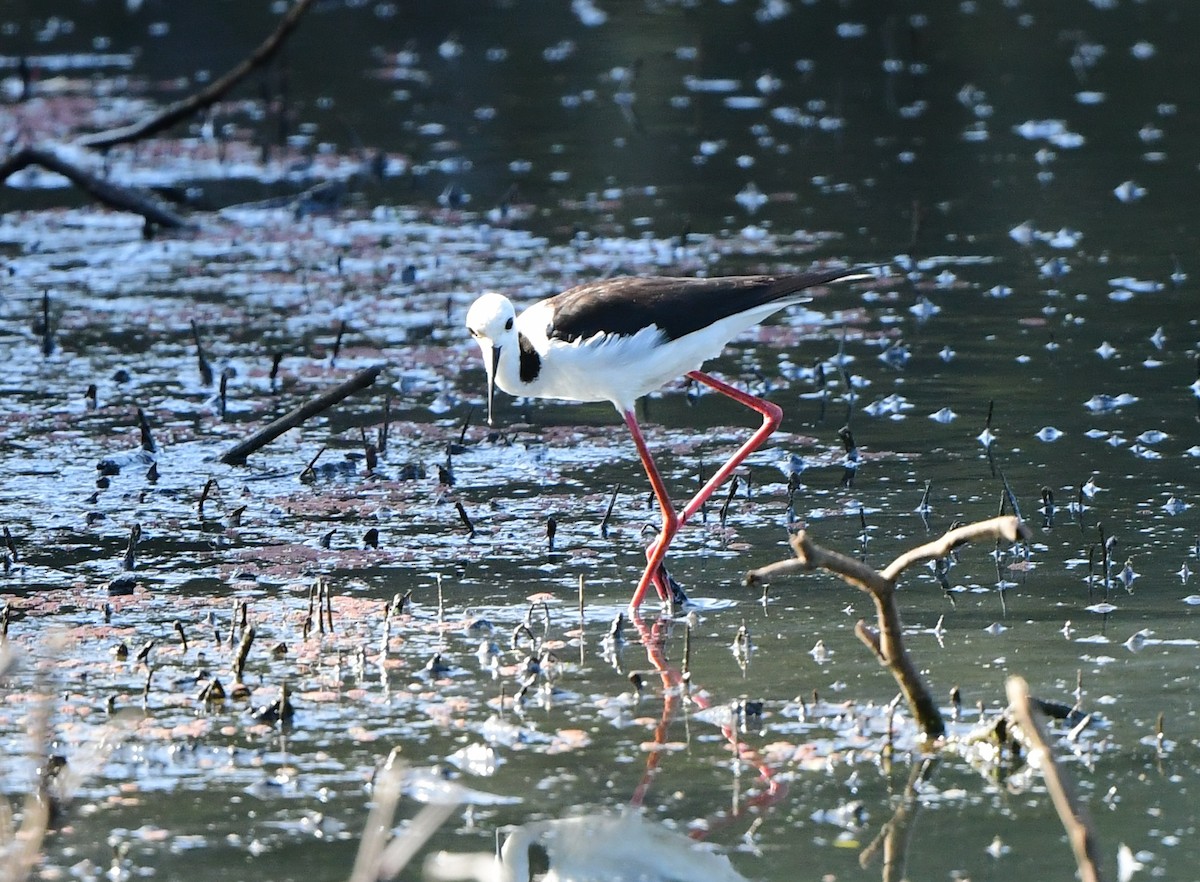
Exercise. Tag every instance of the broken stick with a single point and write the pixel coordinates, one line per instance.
(237, 454)
(1074, 819)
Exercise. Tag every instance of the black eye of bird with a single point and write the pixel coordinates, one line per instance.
(508, 325)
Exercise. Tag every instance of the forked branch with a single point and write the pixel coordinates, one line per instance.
(886, 640)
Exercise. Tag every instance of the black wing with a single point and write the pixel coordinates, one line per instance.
(678, 306)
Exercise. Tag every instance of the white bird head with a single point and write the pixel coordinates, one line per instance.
(491, 320)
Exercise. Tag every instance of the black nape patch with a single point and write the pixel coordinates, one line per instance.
(531, 362)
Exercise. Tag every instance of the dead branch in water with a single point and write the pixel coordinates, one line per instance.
(237, 454)
(206, 97)
(105, 192)
(128, 198)
(886, 640)
(1074, 819)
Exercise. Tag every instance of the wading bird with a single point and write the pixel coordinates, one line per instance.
(619, 339)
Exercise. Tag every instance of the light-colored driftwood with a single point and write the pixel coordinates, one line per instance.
(1074, 819)
(886, 639)
(382, 855)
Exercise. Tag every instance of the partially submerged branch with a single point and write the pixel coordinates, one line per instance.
(1074, 819)
(206, 97)
(887, 641)
(130, 199)
(106, 192)
(237, 454)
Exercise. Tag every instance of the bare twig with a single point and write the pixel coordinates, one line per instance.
(237, 454)
(59, 778)
(379, 822)
(887, 641)
(1009, 528)
(206, 97)
(1074, 819)
(24, 841)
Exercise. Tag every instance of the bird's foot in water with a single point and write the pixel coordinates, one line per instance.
(668, 589)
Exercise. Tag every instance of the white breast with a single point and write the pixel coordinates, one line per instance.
(612, 368)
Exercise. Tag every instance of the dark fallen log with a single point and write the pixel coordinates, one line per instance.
(193, 104)
(106, 192)
(886, 639)
(238, 453)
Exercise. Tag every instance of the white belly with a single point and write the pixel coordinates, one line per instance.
(623, 369)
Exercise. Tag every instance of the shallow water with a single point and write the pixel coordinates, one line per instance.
(1013, 279)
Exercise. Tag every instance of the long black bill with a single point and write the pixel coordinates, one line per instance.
(492, 383)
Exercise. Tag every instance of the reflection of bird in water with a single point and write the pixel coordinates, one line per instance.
(619, 339)
(624, 846)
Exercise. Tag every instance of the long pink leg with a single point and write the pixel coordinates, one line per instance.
(658, 550)
(771, 413)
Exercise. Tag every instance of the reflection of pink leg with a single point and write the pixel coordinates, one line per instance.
(657, 550)
(653, 639)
